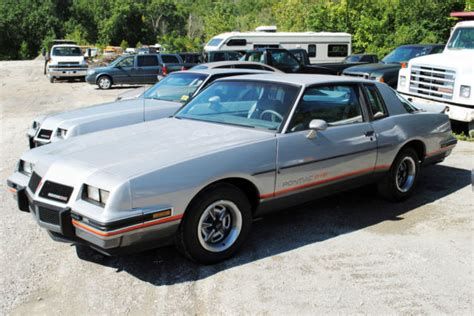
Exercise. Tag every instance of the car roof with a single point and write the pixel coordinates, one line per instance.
(214, 71)
(298, 79)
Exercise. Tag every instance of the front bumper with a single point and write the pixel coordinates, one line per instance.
(121, 236)
(67, 72)
(455, 112)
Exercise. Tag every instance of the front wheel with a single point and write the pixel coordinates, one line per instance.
(400, 182)
(104, 82)
(215, 224)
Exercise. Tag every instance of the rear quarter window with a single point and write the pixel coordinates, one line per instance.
(170, 59)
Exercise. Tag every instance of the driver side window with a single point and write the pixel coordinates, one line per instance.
(335, 104)
(126, 62)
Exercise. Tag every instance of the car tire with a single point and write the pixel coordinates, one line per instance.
(400, 182)
(104, 82)
(215, 224)
(51, 79)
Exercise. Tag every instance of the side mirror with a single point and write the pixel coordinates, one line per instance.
(315, 126)
(43, 52)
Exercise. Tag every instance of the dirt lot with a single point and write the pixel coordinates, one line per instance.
(351, 253)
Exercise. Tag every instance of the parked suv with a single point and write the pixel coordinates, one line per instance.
(134, 69)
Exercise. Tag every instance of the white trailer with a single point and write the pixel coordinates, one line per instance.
(322, 47)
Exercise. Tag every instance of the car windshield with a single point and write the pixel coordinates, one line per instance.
(352, 58)
(199, 67)
(405, 53)
(178, 87)
(214, 42)
(67, 51)
(253, 104)
(462, 38)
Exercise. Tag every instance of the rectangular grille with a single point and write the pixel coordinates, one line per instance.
(48, 216)
(45, 134)
(34, 182)
(433, 82)
(56, 192)
(68, 63)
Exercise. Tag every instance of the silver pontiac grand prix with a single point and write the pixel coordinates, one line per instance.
(243, 147)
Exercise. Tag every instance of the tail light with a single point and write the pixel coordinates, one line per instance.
(404, 65)
(164, 70)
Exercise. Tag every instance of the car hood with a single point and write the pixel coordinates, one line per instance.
(141, 148)
(70, 119)
(369, 68)
(449, 58)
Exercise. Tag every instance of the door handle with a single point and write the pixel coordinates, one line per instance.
(369, 133)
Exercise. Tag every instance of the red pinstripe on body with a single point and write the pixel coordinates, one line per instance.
(127, 229)
(315, 183)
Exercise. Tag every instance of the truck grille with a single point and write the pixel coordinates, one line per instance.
(48, 216)
(45, 134)
(34, 182)
(56, 192)
(433, 82)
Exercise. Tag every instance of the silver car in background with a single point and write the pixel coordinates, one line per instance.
(159, 101)
(243, 147)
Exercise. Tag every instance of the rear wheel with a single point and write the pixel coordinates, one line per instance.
(215, 224)
(400, 182)
(104, 82)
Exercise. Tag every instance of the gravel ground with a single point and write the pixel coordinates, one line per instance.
(350, 253)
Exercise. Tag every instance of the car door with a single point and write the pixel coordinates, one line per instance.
(147, 68)
(123, 71)
(344, 151)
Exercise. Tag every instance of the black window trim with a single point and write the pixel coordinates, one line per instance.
(338, 44)
(356, 85)
(367, 102)
(145, 56)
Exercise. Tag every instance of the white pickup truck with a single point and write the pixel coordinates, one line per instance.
(446, 78)
(66, 60)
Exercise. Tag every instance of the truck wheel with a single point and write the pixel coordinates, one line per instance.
(104, 82)
(51, 79)
(400, 182)
(215, 224)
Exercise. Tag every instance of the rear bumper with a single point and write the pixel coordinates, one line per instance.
(455, 112)
(65, 225)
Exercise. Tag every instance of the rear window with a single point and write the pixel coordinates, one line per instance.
(338, 50)
(170, 59)
(144, 61)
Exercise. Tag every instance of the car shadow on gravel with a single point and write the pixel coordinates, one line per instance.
(290, 229)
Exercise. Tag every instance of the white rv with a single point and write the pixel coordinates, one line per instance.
(446, 78)
(322, 47)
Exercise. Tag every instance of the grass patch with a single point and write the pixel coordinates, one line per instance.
(463, 137)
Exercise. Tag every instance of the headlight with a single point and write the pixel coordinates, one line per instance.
(403, 80)
(95, 195)
(26, 167)
(61, 133)
(465, 91)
